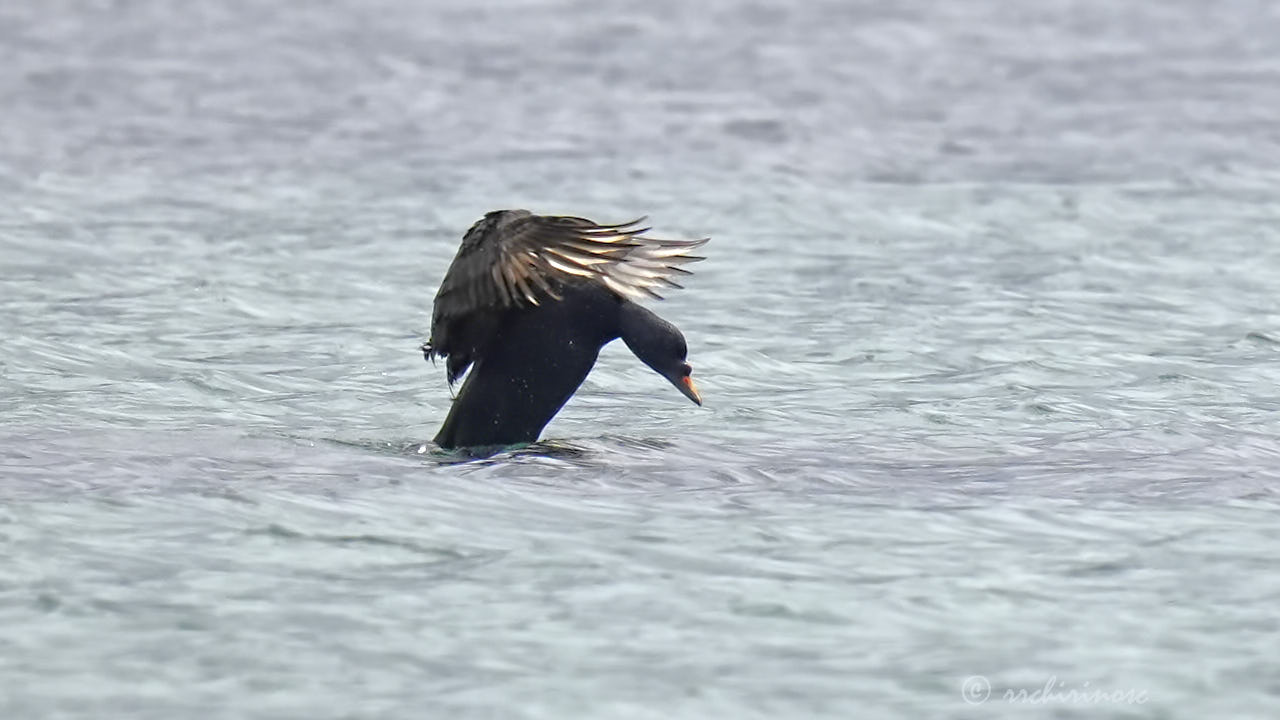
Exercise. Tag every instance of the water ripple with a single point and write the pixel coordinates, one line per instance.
(987, 335)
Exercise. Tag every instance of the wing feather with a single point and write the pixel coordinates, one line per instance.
(513, 258)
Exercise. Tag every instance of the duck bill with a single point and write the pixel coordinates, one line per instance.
(685, 385)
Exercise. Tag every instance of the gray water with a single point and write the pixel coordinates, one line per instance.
(989, 337)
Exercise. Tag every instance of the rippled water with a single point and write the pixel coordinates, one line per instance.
(988, 333)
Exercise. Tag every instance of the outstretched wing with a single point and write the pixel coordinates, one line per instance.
(513, 258)
(520, 258)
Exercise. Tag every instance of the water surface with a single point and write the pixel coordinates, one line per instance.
(988, 337)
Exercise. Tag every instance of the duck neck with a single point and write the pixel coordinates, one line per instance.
(647, 335)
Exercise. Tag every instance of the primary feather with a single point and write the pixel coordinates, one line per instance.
(512, 258)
